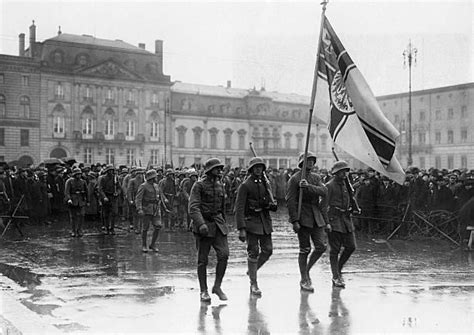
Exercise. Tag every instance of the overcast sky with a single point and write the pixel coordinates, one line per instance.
(270, 43)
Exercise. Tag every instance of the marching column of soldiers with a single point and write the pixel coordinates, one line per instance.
(322, 206)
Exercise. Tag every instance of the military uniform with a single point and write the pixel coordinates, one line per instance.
(312, 220)
(341, 234)
(147, 204)
(132, 189)
(206, 208)
(109, 190)
(76, 196)
(168, 189)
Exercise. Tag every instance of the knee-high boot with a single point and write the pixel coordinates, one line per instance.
(303, 265)
(220, 271)
(154, 237)
(252, 265)
(202, 277)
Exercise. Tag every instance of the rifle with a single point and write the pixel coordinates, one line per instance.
(349, 187)
(267, 182)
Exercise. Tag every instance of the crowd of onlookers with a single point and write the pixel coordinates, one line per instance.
(39, 192)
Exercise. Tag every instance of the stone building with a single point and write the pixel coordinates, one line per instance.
(218, 121)
(96, 100)
(442, 123)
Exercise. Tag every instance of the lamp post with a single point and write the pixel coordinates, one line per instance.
(409, 55)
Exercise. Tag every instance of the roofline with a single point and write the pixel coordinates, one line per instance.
(137, 51)
(427, 91)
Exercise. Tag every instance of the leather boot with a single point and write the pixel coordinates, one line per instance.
(144, 238)
(153, 240)
(252, 270)
(80, 222)
(220, 271)
(202, 277)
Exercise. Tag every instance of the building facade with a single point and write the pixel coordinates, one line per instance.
(217, 121)
(442, 121)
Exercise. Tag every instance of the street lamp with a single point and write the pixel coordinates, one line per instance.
(409, 54)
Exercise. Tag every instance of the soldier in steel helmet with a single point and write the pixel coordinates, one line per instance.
(109, 190)
(207, 208)
(76, 197)
(341, 228)
(252, 215)
(147, 202)
(312, 221)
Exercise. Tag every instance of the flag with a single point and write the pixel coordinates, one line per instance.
(355, 121)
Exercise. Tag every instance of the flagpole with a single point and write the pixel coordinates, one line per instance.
(311, 106)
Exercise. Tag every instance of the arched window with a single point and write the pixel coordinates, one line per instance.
(312, 142)
(130, 118)
(242, 134)
(59, 121)
(154, 126)
(109, 124)
(299, 141)
(59, 92)
(24, 107)
(3, 106)
(87, 122)
(287, 140)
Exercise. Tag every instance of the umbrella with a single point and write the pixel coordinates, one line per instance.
(50, 161)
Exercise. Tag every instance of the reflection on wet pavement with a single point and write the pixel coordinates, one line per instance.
(105, 283)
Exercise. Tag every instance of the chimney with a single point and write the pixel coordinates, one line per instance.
(141, 46)
(159, 54)
(229, 84)
(22, 44)
(32, 39)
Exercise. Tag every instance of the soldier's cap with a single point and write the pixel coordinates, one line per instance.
(108, 168)
(169, 172)
(192, 172)
(93, 174)
(340, 166)
(140, 170)
(212, 163)
(150, 174)
(308, 156)
(133, 169)
(257, 161)
(76, 171)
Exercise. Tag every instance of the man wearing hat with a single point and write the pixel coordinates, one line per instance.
(340, 227)
(76, 197)
(109, 190)
(309, 226)
(146, 202)
(132, 189)
(252, 215)
(168, 189)
(206, 208)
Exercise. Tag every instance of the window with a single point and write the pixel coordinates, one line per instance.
(242, 133)
(130, 129)
(25, 81)
(2, 137)
(109, 128)
(299, 142)
(437, 137)
(88, 155)
(154, 156)
(59, 93)
(438, 114)
(154, 128)
(463, 112)
(312, 141)
(109, 124)
(181, 139)
(130, 157)
(197, 137)
(130, 97)
(450, 114)
(450, 162)
(25, 107)
(464, 162)
(154, 99)
(437, 162)
(287, 142)
(58, 125)
(109, 156)
(422, 115)
(88, 94)
(24, 137)
(213, 133)
(181, 161)
(109, 96)
(463, 135)
(450, 137)
(87, 126)
(422, 162)
(197, 162)
(421, 138)
(3, 106)
(228, 138)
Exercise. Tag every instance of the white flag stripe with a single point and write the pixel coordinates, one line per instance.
(378, 134)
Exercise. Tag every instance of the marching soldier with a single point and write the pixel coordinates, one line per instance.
(252, 215)
(132, 190)
(207, 207)
(312, 221)
(147, 204)
(109, 190)
(168, 189)
(76, 197)
(340, 227)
